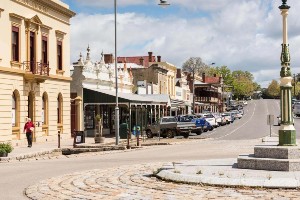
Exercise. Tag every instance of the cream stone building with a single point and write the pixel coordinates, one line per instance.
(34, 69)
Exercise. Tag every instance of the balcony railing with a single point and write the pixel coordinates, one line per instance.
(37, 68)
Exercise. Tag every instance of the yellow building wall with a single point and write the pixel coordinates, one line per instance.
(55, 22)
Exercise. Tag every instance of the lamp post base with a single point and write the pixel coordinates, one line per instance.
(287, 138)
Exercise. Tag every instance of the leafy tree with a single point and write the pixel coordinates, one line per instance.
(273, 89)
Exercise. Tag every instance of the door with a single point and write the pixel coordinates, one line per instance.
(31, 111)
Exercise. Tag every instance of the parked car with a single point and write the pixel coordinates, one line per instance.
(211, 119)
(237, 114)
(229, 117)
(219, 119)
(169, 127)
(296, 110)
(204, 123)
(191, 118)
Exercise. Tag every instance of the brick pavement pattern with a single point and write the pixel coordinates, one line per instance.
(136, 182)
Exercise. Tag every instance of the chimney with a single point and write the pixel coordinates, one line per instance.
(178, 74)
(142, 61)
(203, 77)
(108, 58)
(158, 58)
(150, 56)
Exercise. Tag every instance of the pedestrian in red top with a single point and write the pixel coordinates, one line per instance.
(28, 129)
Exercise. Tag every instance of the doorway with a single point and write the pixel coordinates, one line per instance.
(31, 110)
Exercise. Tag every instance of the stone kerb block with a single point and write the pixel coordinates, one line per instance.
(277, 152)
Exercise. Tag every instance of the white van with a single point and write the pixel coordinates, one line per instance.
(296, 110)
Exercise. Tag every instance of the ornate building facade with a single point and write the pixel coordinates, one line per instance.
(34, 69)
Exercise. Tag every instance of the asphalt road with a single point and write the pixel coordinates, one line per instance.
(224, 142)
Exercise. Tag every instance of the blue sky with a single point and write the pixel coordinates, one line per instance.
(241, 34)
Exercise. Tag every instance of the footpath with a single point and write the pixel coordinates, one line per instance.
(224, 173)
(67, 148)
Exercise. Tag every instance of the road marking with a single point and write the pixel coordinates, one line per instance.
(239, 126)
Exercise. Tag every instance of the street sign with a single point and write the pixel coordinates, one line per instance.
(270, 120)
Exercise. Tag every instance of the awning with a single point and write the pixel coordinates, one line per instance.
(91, 95)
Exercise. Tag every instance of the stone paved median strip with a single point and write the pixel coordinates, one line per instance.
(138, 182)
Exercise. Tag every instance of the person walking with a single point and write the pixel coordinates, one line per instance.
(28, 129)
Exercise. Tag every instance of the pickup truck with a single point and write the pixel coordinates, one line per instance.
(191, 119)
(169, 127)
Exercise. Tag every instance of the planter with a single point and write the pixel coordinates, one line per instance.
(3, 154)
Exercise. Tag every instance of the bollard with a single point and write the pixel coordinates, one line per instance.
(158, 135)
(128, 136)
(58, 139)
(138, 132)
(74, 141)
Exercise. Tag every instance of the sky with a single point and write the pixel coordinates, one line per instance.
(240, 34)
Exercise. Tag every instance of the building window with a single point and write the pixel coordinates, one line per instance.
(59, 55)
(15, 43)
(59, 109)
(44, 113)
(15, 109)
(44, 49)
(32, 52)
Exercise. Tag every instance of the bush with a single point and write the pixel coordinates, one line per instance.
(2, 151)
(6, 147)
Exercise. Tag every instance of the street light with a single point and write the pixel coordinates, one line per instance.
(163, 3)
(287, 132)
(116, 76)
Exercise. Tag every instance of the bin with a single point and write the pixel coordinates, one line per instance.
(123, 131)
(79, 137)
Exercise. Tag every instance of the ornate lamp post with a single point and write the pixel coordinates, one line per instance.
(287, 132)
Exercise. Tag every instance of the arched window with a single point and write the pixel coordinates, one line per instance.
(59, 109)
(44, 113)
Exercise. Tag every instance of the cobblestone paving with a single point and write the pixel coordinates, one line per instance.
(136, 182)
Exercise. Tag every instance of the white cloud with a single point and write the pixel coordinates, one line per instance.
(242, 34)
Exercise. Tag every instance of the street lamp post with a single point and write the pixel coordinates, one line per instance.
(287, 132)
(294, 85)
(163, 3)
(116, 76)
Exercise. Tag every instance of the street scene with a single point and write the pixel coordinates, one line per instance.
(126, 174)
(150, 99)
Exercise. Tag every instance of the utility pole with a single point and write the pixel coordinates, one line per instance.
(294, 85)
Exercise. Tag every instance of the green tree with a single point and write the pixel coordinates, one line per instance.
(243, 83)
(273, 89)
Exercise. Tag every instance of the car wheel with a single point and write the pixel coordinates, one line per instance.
(199, 132)
(169, 134)
(186, 135)
(211, 128)
(149, 134)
